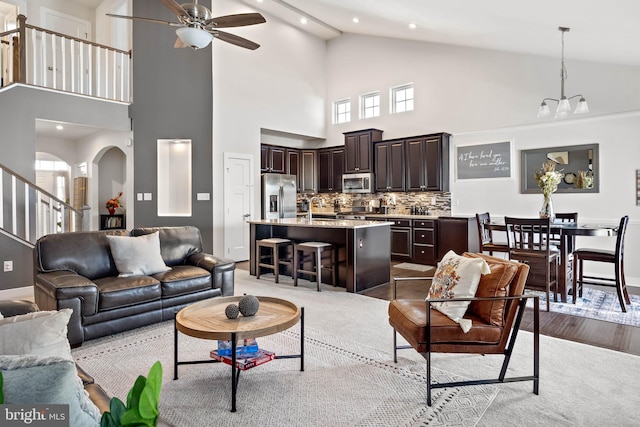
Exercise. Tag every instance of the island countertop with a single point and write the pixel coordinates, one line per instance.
(362, 248)
(322, 222)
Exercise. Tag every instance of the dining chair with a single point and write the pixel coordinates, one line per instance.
(529, 242)
(495, 313)
(615, 257)
(485, 236)
(571, 217)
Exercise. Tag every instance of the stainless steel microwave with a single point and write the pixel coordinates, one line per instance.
(357, 183)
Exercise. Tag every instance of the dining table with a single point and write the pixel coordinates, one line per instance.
(567, 232)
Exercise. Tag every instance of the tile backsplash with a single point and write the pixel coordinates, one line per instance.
(438, 203)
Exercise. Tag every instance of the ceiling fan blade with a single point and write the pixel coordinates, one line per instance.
(158, 21)
(175, 7)
(179, 43)
(236, 40)
(238, 20)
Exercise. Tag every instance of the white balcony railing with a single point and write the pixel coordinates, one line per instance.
(40, 57)
(30, 212)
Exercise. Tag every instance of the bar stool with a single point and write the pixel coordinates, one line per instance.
(312, 251)
(275, 244)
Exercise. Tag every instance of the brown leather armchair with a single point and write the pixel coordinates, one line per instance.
(496, 313)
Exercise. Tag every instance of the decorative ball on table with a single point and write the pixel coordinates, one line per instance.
(232, 311)
(248, 305)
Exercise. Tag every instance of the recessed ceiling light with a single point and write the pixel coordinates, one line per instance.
(413, 26)
(303, 20)
(59, 127)
(260, 1)
(355, 20)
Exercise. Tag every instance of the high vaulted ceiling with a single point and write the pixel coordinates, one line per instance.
(602, 31)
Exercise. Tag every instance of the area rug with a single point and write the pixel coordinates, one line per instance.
(411, 266)
(597, 304)
(344, 383)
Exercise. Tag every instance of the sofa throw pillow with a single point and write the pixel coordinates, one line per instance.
(48, 380)
(135, 256)
(42, 333)
(456, 277)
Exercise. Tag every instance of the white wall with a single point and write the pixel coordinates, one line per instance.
(617, 136)
(460, 89)
(280, 86)
(69, 7)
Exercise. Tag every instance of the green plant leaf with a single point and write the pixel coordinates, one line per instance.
(132, 418)
(1, 389)
(142, 403)
(117, 408)
(154, 380)
(133, 398)
(107, 420)
(148, 404)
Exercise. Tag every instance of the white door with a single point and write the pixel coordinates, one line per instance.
(238, 204)
(58, 67)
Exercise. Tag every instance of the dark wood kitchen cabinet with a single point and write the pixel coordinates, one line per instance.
(401, 239)
(390, 165)
(425, 241)
(459, 234)
(427, 163)
(293, 165)
(272, 159)
(308, 174)
(358, 148)
(330, 169)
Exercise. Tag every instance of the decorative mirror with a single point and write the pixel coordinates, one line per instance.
(578, 163)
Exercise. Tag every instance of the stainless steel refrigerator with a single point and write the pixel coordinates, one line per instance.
(278, 196)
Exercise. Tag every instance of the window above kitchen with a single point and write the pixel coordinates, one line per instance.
(342, 111)
(402, 98)
(370, 105)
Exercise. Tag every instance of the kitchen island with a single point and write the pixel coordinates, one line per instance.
(363, 246)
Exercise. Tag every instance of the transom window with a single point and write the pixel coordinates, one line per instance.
(342, 111)
(402, 98)
(370, 105)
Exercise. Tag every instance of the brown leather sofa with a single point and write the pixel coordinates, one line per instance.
(97, 394)
(77, 271)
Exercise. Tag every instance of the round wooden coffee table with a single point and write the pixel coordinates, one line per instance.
(207, 320)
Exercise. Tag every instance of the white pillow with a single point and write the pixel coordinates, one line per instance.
(42, 381)
(457, 277)
(135, 256)
(43, 333)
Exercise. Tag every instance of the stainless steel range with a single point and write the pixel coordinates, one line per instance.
(359, 209)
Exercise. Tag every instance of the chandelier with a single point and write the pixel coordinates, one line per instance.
(563, 103)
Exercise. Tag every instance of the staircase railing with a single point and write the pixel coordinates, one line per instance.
(29, 212)
(40, 57)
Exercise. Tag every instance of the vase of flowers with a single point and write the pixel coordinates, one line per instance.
(113, 204)
(548, 179)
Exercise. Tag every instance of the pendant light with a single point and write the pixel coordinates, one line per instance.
(563, 103)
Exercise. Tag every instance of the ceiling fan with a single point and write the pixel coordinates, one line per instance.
(197, 26)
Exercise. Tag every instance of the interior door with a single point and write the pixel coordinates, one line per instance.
(238, 204)
(57, 62)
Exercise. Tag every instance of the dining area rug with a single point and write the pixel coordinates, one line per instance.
(597, 304)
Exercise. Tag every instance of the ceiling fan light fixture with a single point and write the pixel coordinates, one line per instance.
(195, 38)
